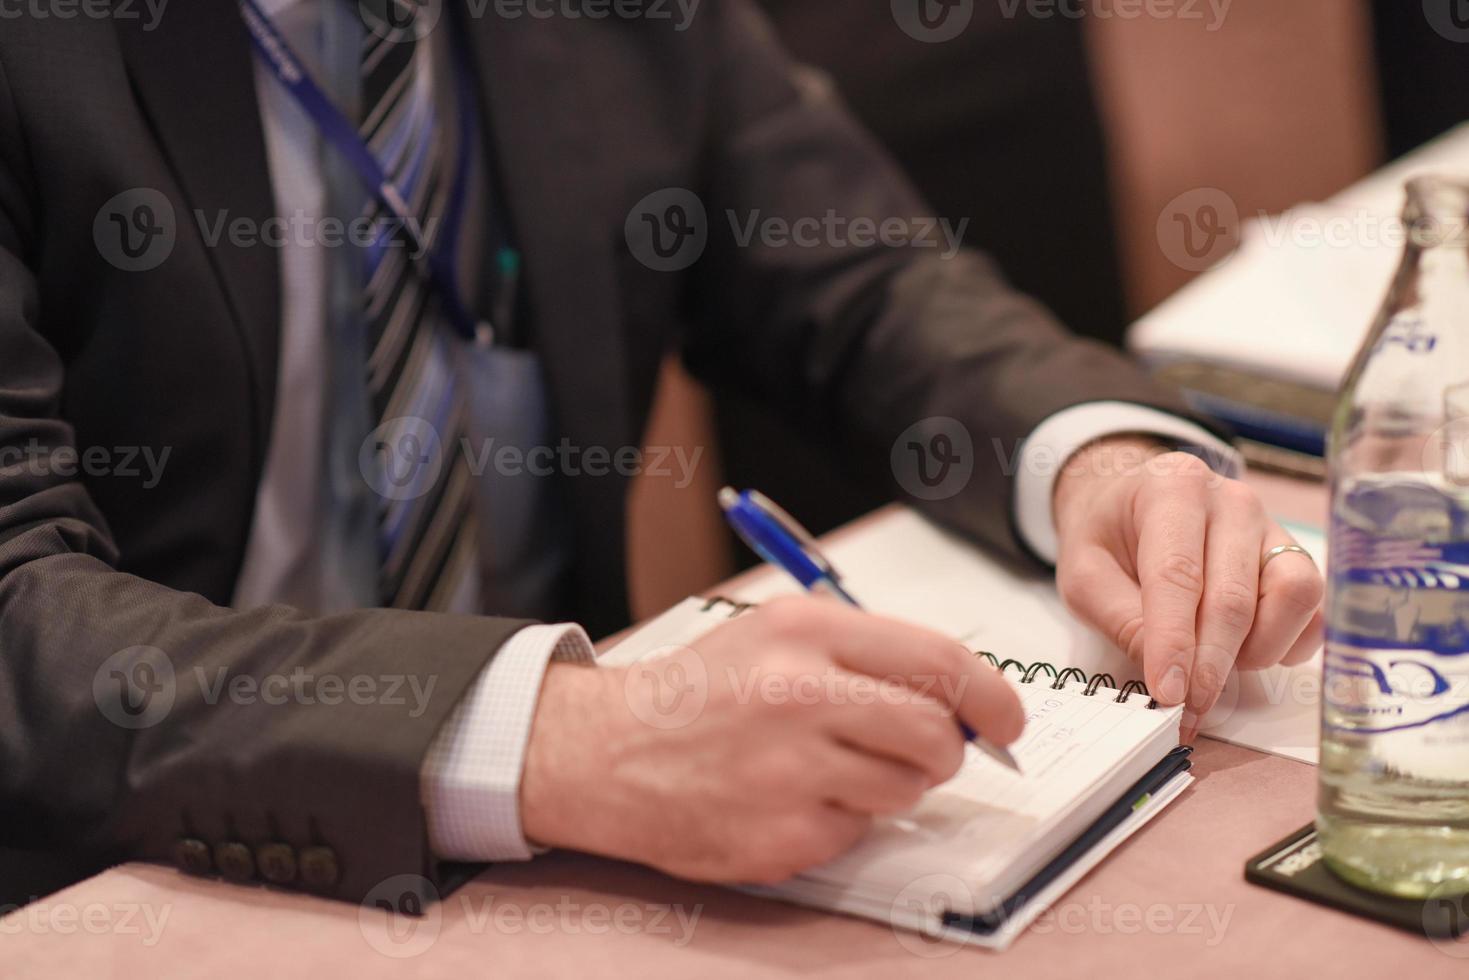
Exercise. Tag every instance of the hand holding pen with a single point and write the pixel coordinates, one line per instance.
(776, 537)
(768, 746)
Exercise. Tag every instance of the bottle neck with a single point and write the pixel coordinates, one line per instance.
(1437, 215)
(1437, 266)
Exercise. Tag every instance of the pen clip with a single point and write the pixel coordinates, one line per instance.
(803, 537)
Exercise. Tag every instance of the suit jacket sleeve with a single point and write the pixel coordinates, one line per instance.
(136, 717)
(863, 342)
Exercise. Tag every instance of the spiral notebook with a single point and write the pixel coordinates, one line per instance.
(981, 856)
(902, 565)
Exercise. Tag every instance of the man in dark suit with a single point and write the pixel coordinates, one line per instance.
(261, 553)
(997, 122)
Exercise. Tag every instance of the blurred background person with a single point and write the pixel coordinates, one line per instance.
(999, 125)
(1062, 130)
(1062, 139)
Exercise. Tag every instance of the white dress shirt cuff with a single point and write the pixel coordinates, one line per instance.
(470, 780)
(1056, 440)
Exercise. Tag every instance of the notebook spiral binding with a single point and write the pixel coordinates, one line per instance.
(735, 608)
(1093, 684)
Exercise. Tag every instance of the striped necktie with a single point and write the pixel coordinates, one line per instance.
(428, 527)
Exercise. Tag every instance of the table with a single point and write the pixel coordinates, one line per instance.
(1172, 902)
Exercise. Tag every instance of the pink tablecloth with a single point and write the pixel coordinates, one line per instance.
(1170, 903)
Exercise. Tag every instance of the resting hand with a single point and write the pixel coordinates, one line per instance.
(1163, 557)
(764, 750)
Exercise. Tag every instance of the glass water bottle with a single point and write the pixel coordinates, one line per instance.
(1393, 811)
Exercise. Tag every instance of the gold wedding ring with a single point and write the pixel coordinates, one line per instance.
(1284, 549)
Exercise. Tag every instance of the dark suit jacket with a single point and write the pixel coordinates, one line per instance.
(587, 117)
(998, 125)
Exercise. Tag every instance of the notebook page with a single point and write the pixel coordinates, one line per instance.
(678, 626)
(905, 566)
(919, 910)
(988, 824)
(987, 820)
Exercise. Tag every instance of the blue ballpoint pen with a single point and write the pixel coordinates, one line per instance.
(776, 537)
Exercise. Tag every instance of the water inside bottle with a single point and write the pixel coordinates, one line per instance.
(1394, 798)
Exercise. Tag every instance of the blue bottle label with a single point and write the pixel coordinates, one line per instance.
(1372, 691)
(1397, 647)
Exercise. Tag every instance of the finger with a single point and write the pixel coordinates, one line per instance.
(1290, 597)
(915, 732)
(1103, 595)
(865, 783)
(1309, 643)
(1170, 555)
(932, 665)
(986, 703)
(1232, 551)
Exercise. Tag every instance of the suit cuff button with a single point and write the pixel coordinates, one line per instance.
(277, 863)
(235, 862)
(318, 867)
(192, 856)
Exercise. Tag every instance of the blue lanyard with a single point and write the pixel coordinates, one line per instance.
(437, 264)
